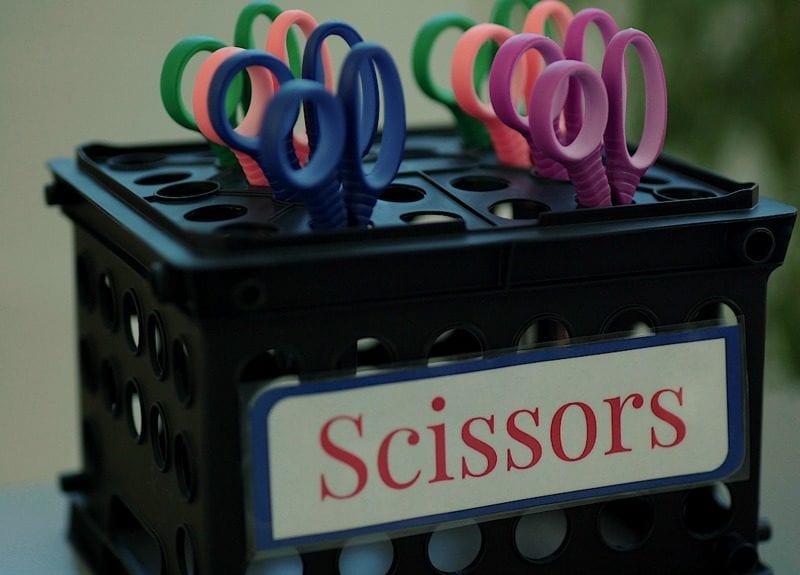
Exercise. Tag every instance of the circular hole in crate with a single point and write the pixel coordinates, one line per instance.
(717, 312)
(402, 194)
(480, 183)
(676, 193)
(248, 232)
(417, 218)
(157, 344)
(186, 191)
(453, 550)
(707, 510)
(653, 180)
(90, 440)
(87, 365)
(270, 365)
(455, 344)
(366, 354)
(540, 536)
(84, 273)
(162, 179)
(216, 213)
(373, 558)
(518, 209)
(186, 554)
(135, 409)
(759, 243)
(625, 524)
(742, 557)
(136, 160)
(631, 322)
(109, 385)
(184, 466)
(132, 320)
(544, 331)
(108, 299)
(182, 371)
(289, 564)
(250, 294)
(159, 436)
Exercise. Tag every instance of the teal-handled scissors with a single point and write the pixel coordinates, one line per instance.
(185, 50)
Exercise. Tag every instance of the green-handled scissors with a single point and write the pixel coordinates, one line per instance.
(473, 133)
(182, 53)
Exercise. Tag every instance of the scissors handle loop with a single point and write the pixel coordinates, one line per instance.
(313, 69)
(583, 156)
(243, 35)
(473, 133)
(509, 146)
(200, 107)
(279, 33)
(625, 170)
(361, 189)
(574, 44)
(502, 10)
(261, 68)
(545, 10)
(317, 184)
(171, 94)
(536, 23)
(501, 94)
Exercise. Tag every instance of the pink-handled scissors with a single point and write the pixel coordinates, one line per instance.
(262, 89)
(264, 86)
(509, 146)
(535, 23)
(603, 125)
(503, 99)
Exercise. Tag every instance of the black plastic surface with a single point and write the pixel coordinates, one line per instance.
(229, 298)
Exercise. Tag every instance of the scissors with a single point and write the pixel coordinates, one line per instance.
(502, 94)
(603, 126)
(573, 31)
(314, 69)
(181, 54)
(277, 42)
(334, 184)
(509, 146)
(473, 133)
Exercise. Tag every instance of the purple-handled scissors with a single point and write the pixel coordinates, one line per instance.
(574, 41)
(501, 94)
(603, 125)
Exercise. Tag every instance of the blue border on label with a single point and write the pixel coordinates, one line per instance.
(261, 406)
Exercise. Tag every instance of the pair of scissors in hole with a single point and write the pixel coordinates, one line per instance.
(264, 83)
(509, 146)
(573, 30)
(335, 185)
(473, 133)
(602, 124)
(177, 59)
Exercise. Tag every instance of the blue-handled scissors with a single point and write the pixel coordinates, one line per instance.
(314, 70)
(265, 70)
(334, 184)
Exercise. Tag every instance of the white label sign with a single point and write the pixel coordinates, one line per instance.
(470, 439)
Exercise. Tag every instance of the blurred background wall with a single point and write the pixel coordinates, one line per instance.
(88, 70)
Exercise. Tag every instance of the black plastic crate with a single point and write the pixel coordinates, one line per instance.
(196, 291)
